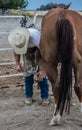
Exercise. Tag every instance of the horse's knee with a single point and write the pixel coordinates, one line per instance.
(78, 90)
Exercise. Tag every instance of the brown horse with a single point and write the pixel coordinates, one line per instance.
(61, 41)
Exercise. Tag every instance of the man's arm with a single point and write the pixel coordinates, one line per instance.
(17, 60)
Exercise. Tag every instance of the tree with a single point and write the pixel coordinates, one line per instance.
(4, 3)
(45, 7)
(13, 4)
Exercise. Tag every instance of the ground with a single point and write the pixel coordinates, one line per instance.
(14, 114)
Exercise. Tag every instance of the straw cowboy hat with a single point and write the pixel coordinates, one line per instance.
(18, 39)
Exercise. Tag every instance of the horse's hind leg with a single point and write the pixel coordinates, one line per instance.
(55, 89)
(78, 82)
(56, 118)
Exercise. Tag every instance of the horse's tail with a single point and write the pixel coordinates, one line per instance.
(65, 46)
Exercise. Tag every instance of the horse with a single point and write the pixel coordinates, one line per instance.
(61, 43)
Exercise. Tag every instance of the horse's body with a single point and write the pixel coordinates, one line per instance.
(61, 40)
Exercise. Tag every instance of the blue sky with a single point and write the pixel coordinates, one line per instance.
(34, 4)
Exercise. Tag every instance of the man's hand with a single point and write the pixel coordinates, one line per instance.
(42, 74)
(19, 68)
(18, 65)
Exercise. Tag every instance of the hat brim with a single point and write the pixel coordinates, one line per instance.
(11, 40)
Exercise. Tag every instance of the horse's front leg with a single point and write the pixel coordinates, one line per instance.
(78, 82)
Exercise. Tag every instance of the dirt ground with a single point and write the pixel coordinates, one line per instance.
(14, 114)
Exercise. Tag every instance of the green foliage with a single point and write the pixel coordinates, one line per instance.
(45, 7)
(13, 4)
(20, 12)
(27, 13)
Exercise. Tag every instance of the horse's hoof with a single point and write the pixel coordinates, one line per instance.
(55, 120)
(52, 123)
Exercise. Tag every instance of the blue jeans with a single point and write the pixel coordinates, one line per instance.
(29, 87)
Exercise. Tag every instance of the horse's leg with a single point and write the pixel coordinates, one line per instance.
(55, 89)
(78, 82)
(56, 118)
